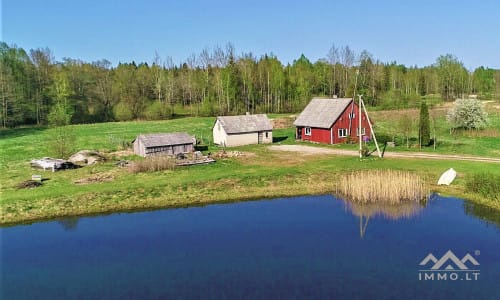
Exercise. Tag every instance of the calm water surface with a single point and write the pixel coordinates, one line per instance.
(297, 248)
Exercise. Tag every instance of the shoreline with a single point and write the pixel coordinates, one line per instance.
(60, 208)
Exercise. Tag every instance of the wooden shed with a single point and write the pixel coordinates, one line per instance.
(331, 121)
(163, 144)
(241, 130)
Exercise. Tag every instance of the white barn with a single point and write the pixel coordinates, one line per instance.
(241, 130)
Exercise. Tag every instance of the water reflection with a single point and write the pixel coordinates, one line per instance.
(69, 224)
(365, 211)
(487, 214)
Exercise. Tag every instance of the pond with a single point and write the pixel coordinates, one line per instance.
(296, 248)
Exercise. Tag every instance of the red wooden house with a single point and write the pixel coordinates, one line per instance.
(331, 121)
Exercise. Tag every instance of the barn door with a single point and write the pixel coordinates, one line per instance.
(259, 137)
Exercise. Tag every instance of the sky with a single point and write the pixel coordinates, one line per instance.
(410, 32)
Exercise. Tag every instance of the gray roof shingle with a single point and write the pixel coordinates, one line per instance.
(322, 113)
(245, 123)
(165, 139)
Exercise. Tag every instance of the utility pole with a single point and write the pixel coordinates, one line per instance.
(362, 105)
(359, 128)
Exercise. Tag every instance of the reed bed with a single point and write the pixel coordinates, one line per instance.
(153, 164)
(387, 186)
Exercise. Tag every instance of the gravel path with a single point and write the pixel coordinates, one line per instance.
(309, 150)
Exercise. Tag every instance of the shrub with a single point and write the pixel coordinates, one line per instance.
(485, 184)
(468, 114)
(122, 112)
(158, 111)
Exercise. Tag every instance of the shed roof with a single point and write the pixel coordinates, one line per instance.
(165, 139)
(245, 123)
(322, 113)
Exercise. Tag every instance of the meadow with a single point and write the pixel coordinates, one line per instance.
(258, 173)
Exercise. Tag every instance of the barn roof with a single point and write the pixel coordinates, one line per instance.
(322, 113)
(245, 123)
(165, 139)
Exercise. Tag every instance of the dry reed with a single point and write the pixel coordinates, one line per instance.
(153, 164)
(388, 186)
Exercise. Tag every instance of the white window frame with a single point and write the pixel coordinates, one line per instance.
(307, 131)
(363, 131)
(342, 132)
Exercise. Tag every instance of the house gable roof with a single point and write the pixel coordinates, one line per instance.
(245, 123)
(165, 139)
(322, 113)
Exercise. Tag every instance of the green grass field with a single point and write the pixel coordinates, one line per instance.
(259, 174)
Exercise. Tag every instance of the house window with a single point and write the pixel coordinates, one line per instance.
(352, 115)
(342, 132)
(267, 134)
(307, 131)
(363, 131)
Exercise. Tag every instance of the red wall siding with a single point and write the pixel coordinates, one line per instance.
(319, 135)
(322, 135)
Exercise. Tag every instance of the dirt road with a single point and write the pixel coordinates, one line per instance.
(309, 150)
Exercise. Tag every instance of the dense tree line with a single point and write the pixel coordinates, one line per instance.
(217, 82)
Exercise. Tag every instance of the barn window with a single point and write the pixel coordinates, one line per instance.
(352, 115)
(363, 131)
(307, 131)
(342, 132)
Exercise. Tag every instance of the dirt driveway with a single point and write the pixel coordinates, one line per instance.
(309, 150)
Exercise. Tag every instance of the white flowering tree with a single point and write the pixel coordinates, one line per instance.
(468, 114)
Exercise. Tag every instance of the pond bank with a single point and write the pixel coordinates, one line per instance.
(198, 193)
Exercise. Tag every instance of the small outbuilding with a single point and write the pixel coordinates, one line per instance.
(163, 144)
(241, 130)
(331, 121)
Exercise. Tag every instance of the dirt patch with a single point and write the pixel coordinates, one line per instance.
(29, 184)
(97, 178)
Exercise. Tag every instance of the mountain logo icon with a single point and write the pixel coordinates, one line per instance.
(449, 261)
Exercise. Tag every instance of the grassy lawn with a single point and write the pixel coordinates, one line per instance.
(261, 173)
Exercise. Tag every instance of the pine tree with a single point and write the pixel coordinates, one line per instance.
(424, 131)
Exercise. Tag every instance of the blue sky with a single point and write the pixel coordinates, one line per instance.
(409, 32)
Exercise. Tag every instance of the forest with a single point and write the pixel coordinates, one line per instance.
(35, 89)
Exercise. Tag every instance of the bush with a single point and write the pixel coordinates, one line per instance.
(122, 112)
(485, 184)
(158, 111)
(468, 114)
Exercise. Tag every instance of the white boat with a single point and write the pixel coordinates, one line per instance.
(447, 177)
